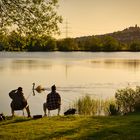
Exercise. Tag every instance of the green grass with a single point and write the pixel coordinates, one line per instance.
(72, 128)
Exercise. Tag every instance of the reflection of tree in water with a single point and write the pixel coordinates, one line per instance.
(130, 64)
(1, 68)
(18, 64)
(30, 64)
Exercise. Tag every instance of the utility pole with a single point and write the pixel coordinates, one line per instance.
(66, 29)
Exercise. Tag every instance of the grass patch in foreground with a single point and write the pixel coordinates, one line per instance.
(72, 128)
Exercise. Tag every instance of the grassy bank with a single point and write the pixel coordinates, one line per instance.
(72, 128)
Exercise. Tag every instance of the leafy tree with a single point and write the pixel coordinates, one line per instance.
(51, 45)
(3, 41)
(81, 44)
(67, 44)
(110, 44)
(33, 43)
(34, 17)
(42, 43)
(135, 46)
(93, 44)
(16, 42)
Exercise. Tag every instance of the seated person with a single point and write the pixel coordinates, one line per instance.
(18, 101)
(53, 101)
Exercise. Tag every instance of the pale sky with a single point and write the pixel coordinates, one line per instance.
(92, 17)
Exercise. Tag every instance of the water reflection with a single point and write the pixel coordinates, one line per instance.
(29, 64)
(129, 64)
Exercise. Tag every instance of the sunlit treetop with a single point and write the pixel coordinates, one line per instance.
(36, 17)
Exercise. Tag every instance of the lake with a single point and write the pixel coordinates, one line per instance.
(75, 74)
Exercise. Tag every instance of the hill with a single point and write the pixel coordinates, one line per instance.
(127, 35)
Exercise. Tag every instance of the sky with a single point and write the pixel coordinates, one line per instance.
(94, 17)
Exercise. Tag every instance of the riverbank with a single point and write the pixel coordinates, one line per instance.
(72, 128)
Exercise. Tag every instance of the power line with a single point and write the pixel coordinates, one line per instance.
(66, 29)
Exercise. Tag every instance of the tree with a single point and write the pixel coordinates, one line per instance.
(93, 44)
(67, 44)
(36, 17)
(110, 44)
(16, 42)
(43, 43)
(135, 46)
(3, 41)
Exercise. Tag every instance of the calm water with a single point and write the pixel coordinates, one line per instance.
(74, 73)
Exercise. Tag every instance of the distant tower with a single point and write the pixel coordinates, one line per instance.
(66, 29)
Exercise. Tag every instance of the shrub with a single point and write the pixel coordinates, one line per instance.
(128, 99)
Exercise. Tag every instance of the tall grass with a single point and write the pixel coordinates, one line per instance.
(126, 100)
(88, 106)
(110, 107)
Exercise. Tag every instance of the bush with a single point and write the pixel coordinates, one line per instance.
(128, 99)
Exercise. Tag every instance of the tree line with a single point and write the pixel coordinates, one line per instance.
(14, 41)
(28, 25)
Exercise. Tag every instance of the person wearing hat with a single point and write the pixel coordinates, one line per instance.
(53, 101)
(18, 101)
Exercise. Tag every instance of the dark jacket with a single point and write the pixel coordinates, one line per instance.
(18, 100)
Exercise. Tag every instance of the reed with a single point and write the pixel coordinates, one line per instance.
(110, 107)
(87, 106)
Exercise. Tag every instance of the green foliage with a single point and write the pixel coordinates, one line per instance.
(67, 44)
(16, 42)
(2, 41)
(91, 43)
(86, 106)
(135, 46)
(34, 17)
(99, 43)
(111, 108)
(43, 43)
(128, 99)
(110, 44)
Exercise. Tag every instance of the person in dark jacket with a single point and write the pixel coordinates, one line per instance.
(18, 101)
(53, 101)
